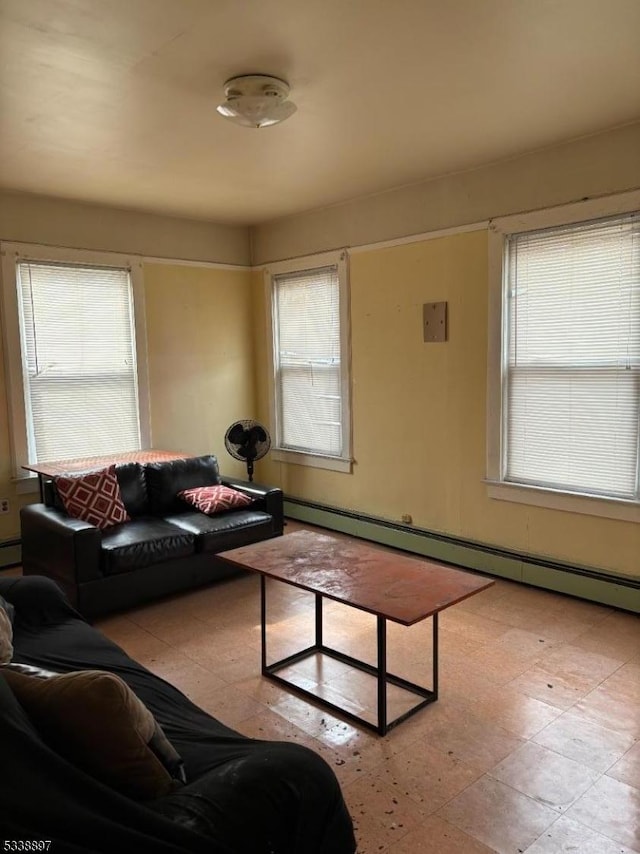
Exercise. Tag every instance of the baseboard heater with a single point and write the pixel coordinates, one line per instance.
(596, 585)
(10, 553)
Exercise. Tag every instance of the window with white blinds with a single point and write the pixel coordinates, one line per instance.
(310, 386)
(571, 358)
(79, 359)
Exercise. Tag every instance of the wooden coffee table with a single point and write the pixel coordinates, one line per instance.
(391, 586)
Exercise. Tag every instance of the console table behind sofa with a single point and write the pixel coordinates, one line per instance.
(53, 468)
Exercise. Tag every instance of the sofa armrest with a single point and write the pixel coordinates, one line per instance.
(270, 498)
(62, 548)
(37, 600)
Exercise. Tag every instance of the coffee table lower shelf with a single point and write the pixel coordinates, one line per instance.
(383, 677)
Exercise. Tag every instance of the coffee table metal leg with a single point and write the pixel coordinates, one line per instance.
(379, 672)
(382, 676)
(435, 656)
(319, 620)
(263, 622)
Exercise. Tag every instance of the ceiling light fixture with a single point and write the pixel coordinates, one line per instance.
(256, 101)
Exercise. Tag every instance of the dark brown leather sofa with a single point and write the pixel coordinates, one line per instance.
(167, 546)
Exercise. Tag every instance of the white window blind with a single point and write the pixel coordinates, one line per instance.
(79, 362)
(572, 366)
(307, 361)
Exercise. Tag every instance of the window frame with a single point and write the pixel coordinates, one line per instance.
(12, 253)
(342, 462)
(497, 487)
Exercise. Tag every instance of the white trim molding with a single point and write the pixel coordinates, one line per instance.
(209, 265)
(497, 486)
(570, 502)
(318, 461)
(11, 253)
(420, 238)
(339, 258)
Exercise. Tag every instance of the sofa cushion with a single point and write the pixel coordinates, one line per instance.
(226, 531)
(95, 720)
(93, 497)
(143, 542)
(133, 488)
(166, 479)
(215, 499)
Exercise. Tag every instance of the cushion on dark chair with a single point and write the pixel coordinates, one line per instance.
(142, 542)
(6, 631)
(225, 531)
(166, 479)
(8, 608)
(96, 721)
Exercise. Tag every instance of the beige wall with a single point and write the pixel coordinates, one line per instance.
(57, 222)
(419, 433)
(199, 331)
(419, 411)
(594, 166)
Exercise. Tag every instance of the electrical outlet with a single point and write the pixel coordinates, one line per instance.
(407, 518)
(4, 505)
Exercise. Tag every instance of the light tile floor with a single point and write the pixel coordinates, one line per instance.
(533, 746)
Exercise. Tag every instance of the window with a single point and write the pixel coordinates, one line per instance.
(73, 354)
(569, 403)
(309, 333)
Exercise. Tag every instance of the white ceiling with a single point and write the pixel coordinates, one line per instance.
(113, 101)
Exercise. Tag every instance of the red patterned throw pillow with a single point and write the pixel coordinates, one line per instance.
(94, 497)
(215, 499)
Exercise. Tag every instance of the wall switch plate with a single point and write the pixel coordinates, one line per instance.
(434, 321)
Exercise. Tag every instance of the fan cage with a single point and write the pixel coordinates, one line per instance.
(238, 435)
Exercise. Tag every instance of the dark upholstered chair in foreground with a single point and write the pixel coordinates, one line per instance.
(242, 795)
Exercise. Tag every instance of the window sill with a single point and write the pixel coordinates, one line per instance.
(571, 502)
(317, 461)
(26, 485)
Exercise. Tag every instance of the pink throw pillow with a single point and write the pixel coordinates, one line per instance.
(215, 499)
(94, 497)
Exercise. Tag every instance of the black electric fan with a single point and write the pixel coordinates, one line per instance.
(248, 441)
